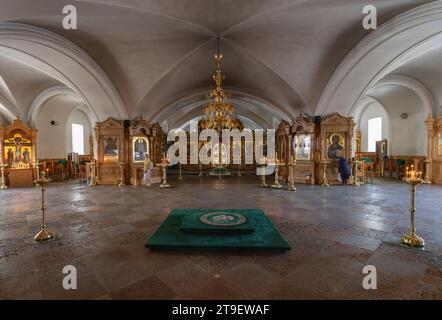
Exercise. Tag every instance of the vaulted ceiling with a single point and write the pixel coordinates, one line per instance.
(157, 52)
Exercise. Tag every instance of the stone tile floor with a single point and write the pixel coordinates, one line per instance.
(334, 233)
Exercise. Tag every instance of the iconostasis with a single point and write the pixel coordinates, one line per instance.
(335, 142)
(145, 140)
(303, 145)
(18, 150)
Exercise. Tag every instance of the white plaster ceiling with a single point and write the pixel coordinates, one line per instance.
(427, 69)
(20, 84)
(158, 51)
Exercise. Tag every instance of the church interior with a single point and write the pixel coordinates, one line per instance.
(333, 189)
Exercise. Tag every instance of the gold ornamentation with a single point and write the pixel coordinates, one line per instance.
(93, 182)
(324, 179)
(37, 169)
(164, 163)
(3, 185)
(219, 113)
(413, 178)
(291, 182)
(91, 146)
(427, 179)
(44, 234)
(122, 179)
(276, 163)
(180, 175)
(262, 177)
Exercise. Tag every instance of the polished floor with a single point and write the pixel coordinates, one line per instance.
(334, 233)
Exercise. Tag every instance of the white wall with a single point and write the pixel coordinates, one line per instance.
(373, 110)
(55, 141)
(405, 136)
(78, 117)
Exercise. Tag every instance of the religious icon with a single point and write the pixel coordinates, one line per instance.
(18, 144)
(336, 144)
(140, 147)
(26, 156)
(10, 156)
(18, 150)
(110, 146)
(381, 149)
(302, 146)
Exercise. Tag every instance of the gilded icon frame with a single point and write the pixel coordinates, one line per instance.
(137, 153)
(341, 143)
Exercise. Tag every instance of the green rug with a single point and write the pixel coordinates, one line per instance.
(198, 229)
(216, 223)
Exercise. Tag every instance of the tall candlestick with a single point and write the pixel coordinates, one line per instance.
(413, 178)
(44, 234)
(3, 185)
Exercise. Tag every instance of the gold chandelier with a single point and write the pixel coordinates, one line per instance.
(219, 114)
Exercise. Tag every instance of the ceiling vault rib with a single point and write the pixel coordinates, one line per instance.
(171, 69)
(202, 28)
(249, 53)
(251, 19)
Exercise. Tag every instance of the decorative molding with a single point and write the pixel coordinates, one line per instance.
(363, 105)
(412, 84)
(397, 26)
(50, 93)
(64, 61)
(201, 95)
(9, 110)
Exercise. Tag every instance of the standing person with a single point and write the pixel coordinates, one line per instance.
(148, 165)
(344, 168)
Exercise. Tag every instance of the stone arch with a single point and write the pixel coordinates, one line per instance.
(190, 106)
(394, 43)
(412, 84)
(8, 110)
(64, 61)
(50, 93)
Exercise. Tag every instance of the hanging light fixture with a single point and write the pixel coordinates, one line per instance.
(219, 114)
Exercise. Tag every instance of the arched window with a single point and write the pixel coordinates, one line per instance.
(78, 138)
(374, 133)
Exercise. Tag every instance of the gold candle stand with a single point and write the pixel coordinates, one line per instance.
(3, 185)
(37, 171)
(427, 179)
(164, 164)
(413, 178)
(355, 170)
(262, 178)
(276, 184)
(180, 175)
(44, 234)
(122, 179)
(324, 179)
(93, 182)
(291, 182)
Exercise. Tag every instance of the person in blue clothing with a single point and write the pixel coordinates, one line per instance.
(344, 167)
